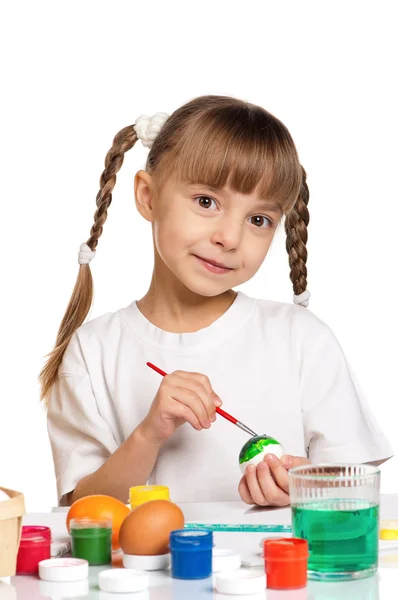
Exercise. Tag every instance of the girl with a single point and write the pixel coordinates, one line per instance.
(220, 176)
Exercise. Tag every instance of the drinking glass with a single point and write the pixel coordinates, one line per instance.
(336, 509)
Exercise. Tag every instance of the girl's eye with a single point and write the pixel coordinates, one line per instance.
(205, 201)
(261, 222)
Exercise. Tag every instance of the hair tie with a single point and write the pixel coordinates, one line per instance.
(302, 299)
(147, 128)
(86, 255)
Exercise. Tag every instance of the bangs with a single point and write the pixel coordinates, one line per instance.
(243, 147)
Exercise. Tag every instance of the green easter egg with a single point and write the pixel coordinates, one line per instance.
(256, 448)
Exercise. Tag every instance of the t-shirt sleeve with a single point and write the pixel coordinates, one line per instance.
(81, 440)
(338, 423)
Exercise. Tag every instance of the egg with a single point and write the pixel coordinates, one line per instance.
(147, 528)
(256, 448)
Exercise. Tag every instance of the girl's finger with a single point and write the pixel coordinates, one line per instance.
(277, 472)
(244, 491)
(289, 461)
(254, 487)
(181, 411)
(191, 399)
(272, 493)
(205, 381)
(202, 379)
(197, 386)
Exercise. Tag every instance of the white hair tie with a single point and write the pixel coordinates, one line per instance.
(86, 255)
(147, 128)
(302, 299)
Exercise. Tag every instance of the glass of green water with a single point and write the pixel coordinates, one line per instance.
(336, 509)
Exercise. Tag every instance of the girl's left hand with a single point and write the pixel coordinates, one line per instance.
(267, 484)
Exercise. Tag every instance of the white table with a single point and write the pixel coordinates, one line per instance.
(383, 586)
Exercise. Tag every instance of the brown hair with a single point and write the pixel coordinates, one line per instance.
(213, 140)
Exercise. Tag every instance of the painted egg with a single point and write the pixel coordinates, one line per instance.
(256, 448)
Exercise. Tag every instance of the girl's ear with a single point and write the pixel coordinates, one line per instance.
(143, 192)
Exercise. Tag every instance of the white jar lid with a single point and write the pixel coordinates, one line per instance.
(225, 560)
(241, 581)
(123, 580)
(63, 569)
(146, 563)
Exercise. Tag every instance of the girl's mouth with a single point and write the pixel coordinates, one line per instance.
(213, 267)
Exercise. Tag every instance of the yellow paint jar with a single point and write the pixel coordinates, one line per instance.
(140, 494)
(389, 530)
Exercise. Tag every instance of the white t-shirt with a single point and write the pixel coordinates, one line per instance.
(277, 367)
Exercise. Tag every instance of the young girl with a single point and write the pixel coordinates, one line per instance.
(221, 175)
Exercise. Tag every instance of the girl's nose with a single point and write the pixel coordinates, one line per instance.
(227, 234)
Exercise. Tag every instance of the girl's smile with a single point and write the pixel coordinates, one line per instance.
(213, 266)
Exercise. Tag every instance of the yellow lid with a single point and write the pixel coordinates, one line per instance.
(144, 493)
(389, 530)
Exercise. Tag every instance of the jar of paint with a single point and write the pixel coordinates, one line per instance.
(35, 545)
(139, 494)
(92, 540)
(191, 553)
(286, 561)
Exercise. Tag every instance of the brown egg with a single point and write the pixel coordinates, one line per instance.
(146, 530)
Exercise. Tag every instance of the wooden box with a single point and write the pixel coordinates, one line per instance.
(11, 513)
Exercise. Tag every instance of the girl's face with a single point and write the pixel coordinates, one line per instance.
(194, 226)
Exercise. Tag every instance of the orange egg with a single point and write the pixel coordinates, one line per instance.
(146, 530)
(100, 507)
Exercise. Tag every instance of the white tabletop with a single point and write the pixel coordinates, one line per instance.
(382, 586)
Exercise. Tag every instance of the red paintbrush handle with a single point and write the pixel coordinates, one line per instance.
(224, 414)
(155, 368)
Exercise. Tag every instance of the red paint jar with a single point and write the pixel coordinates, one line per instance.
(35, 545)
(286, 562)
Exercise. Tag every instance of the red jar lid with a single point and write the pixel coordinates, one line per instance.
(34, 534)
(285, 548)
(286, 562)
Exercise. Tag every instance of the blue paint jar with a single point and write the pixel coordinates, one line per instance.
(191, 553)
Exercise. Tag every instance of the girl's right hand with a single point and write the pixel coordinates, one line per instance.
(183, 397)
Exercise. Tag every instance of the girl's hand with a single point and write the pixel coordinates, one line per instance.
(267, 484)
(183, 397)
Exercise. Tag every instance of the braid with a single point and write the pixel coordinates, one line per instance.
(82, 295)
(296, 237)
(123, 141)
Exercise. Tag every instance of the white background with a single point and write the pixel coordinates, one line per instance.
(75, 73)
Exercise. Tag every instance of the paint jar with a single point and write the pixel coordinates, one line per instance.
(139, 494)
(191, 553)
(92, 540)
(35, 545)
(286, 563)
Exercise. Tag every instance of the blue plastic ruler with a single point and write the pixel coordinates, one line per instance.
(240, 527)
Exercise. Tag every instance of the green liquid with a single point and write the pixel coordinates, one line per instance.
(339, 541)
(94, 544)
